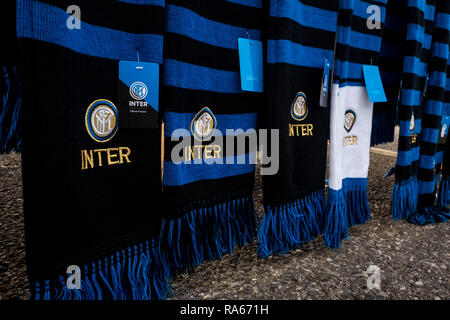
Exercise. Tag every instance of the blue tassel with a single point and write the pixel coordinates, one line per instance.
(444, 192)
(404, 199)
(355, 192)
(207, 232)
(147, 278)
(336, 226)
(430, 215)
(10, 111)
(287, 226)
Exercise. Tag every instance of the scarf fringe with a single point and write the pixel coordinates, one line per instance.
(10, 111)
(358, 210)
(207, 233)
(337, 220)
(285, 227)
(137, 273)
(383, 128)
(429, 215)
(444, 192)
(404, 199)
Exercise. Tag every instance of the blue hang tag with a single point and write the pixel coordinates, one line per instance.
(374, 85)
(325, 84)
(138, 90)
(251, 64)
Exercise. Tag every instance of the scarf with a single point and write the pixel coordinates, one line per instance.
(301, 37)
(443, 156)
(350, 121)
(390, 62)
(432, 126)
(418, 43)
(208, 185)
(85, 180)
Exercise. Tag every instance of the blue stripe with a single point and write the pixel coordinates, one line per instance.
(430, 135)
(160, 3)
(414, 65)
(349, 70)
(46, 23)
(190, 76)
(181, 174)
(411, 97)
(304, 15)
(360, 8)
(188, 23)
(440, 50)
(175, 120)
(285, 51)
(426, 162)
(442, 21)
(248, 3)
(417, 33)
(405, 158)
(426, 187)
(359, 40)
(437, 79)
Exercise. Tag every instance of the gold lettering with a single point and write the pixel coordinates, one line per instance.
(82, 160)
(208, 152)
(89, 158)
(99, 152)
(124, 155)
(110, 156)
(310, 129)
(217, 151)
(291, 130)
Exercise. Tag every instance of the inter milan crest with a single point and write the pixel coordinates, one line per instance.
(299, 109)
(203, 125)
(349, 120)
(101, 120)
(138, 90)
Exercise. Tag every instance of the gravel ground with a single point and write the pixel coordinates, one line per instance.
(414, 261)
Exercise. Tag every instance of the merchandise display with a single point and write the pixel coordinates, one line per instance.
(140, 123)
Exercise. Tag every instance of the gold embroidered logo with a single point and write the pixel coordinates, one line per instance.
(101, 120)
(299, 109)
(349, 121)
(203, 124)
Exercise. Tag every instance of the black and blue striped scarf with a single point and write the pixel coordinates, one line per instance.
(420, 16)
(301, 38)
(390, 62)
(351, 119)
(434, 125)
(443, 155)
(209, 207)
(420, 113)
(91, 189)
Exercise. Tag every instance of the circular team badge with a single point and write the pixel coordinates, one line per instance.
(138, 90)
(203, 124)
(102, 120)
(299, 109)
